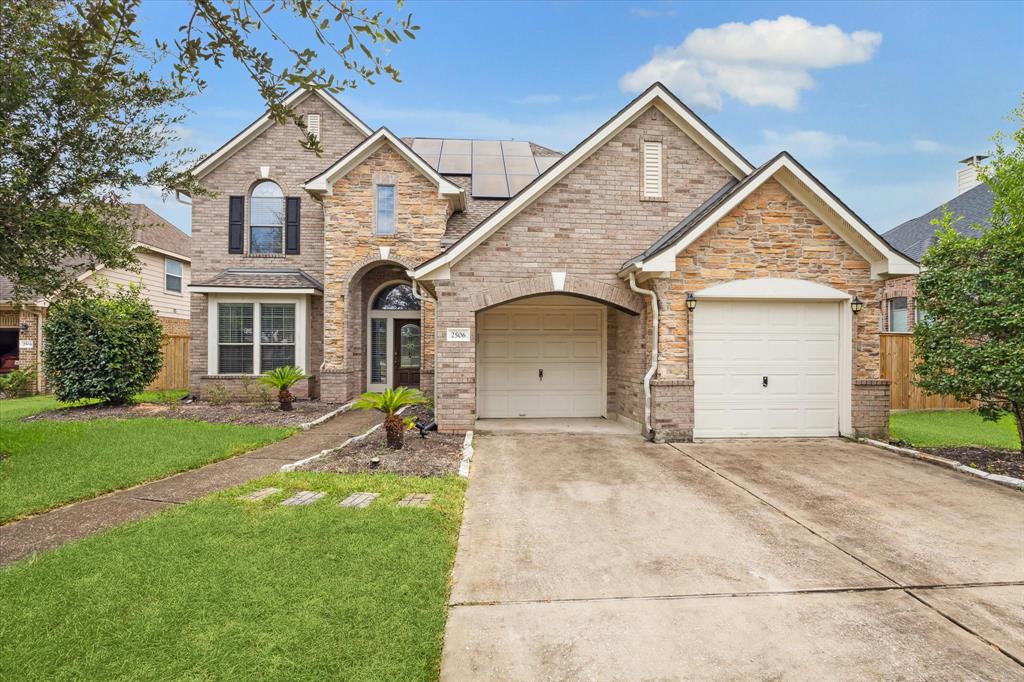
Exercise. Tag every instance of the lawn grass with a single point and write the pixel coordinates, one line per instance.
(226, 589)
(50, 463)
(952, 428)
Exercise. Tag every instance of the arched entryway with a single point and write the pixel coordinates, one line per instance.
(394, 337)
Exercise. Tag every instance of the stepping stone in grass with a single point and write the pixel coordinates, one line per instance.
(359, 500)
(259, 494)
(415, 500)
(302, 498)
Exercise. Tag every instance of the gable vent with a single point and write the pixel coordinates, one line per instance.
(313, 125)
(652, 170)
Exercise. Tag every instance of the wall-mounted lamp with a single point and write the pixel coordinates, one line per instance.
(24, 328)
(691, 302)
(856, 305)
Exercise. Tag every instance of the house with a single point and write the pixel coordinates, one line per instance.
(164, 255)
(650, 275)
(972, 205)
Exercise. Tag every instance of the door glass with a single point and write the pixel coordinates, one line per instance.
(378, 351)
(409, 357)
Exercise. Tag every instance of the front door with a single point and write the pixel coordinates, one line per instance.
(406, 358)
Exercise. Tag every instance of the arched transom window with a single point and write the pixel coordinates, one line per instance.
(266, 219)
(396, 297)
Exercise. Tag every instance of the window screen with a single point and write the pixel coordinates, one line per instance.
(172, 275)
(266, 219)
(385, 209)
(234, 338)
(898, 314)
(277, 335)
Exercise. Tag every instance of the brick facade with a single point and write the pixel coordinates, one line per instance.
(32, 317)
(894, 288)
(871, 408)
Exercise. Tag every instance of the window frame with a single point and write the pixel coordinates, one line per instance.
(180, 276)
(310, 125)
(249, 252)
(890, 306)
(301, 317)
(660, 141)
(376, 209)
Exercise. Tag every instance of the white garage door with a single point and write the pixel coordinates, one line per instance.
(541, 361)
(766, 369)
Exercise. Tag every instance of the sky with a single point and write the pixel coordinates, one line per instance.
(879, 100)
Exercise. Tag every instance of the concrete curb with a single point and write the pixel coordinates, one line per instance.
(292, 466)
(467, 455)
(1008, 481)
(320, 420)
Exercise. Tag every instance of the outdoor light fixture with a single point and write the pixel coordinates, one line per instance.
(24, 327)
(856, 304)
(691, 302)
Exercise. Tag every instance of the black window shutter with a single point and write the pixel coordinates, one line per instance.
(291, 225)
(236, 224)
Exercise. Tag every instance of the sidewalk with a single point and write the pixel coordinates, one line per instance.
(60, 526)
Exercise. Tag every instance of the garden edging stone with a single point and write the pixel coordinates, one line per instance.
(1008, 481)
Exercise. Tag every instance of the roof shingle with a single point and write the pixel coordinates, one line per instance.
(915, 236)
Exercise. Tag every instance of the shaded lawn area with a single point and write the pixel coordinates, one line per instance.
(49, 463)
(949, 428)
(227, 589)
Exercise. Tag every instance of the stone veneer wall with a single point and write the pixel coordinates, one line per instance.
(588, 225)
(771, 234)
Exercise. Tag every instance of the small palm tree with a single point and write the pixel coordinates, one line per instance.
(390, 402)
(283, 378)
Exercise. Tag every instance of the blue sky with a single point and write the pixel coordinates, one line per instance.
(879, 100)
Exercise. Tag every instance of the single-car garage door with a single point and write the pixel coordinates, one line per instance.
(541, 359)
(766, 368)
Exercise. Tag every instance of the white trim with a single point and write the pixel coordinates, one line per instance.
(324, 182)
(253, 290)
(884, 259)
(264, 122)
(657, 95)
(181, 277)
(390, 316)
(162, 252)
(558, 280)
(777, 288)
(302, 337)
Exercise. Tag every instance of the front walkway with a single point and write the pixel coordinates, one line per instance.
(52, 529)
(607, 557)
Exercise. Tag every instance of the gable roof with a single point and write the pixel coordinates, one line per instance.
(324, 182)
(264, 122)
(884, 259)
(973, 206)
(154, 232)
(656, 95)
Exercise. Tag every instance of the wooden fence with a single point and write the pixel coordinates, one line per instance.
(174, 373)
(897, 366)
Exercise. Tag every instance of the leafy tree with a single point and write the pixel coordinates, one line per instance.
(971, 343)
(104, 345)
(83, 119)
(283, 378)
(390, 401)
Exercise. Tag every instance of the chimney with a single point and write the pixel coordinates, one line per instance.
(967, 177)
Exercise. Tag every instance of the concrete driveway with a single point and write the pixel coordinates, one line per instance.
(605, 557)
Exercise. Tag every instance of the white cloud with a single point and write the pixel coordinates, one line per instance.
(928, 146)
(815, 144)
(766, 62)
(536, 99)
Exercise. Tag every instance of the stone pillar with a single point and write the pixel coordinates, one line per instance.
(672, 410)
(871, 408)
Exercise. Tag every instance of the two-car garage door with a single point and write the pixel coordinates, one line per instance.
(766, 368)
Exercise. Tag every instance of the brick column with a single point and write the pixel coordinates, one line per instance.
(454, 361)
(672, 410)
(871, 408)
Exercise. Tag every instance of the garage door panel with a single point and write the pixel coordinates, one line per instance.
(524, 322)
(586, 377)
(524, 349)
(556, 349)
(557, 321)
(589, 321)
(496, 376)
(587, 349)
(490, 348)
(492, 321)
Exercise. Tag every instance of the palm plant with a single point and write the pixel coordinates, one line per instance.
(390, 402)
(283, 378)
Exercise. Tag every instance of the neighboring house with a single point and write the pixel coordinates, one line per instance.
(164, 254)
(972, 204)
(509, 281)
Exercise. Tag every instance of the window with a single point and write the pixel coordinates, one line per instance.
(651, 172)
(396, 297)
(266, 219)
(240, 324)
(919, 314)
(378, 350)
(172, 275)
(385, 210)
(313, 125)
(234, 338)
(898, 314)
(277, 335)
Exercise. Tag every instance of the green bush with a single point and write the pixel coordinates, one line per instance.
(14, 383)
(102, 345)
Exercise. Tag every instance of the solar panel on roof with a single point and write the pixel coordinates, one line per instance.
(517, 182)
(520, 165)
(490, 186)
(429, 149)
(516, 148)
(488, 165)
(457, 147)
(455, 164)
(545, 162)
(486, 147)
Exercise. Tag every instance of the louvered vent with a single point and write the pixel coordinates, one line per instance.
(313, 125)
(652, 170)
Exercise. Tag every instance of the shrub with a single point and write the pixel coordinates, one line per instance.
(102, 345)
(390, 402)
(217, 395)
(283, 378)
(14, 383)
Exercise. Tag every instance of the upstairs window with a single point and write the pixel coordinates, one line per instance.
(172, 275)
(313, 125)
(898, 314)
(385, 219)
(651, 173)
(266, 220)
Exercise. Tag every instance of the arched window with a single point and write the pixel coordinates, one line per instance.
(396, 297)
(266, 219)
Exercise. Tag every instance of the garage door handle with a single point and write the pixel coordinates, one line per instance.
(764, 381)
(540, 374)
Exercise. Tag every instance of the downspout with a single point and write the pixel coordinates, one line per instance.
(649, 434)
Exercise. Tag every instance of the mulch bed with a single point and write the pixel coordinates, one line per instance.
(261, 414)
(1002, 462)
(438, 454)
